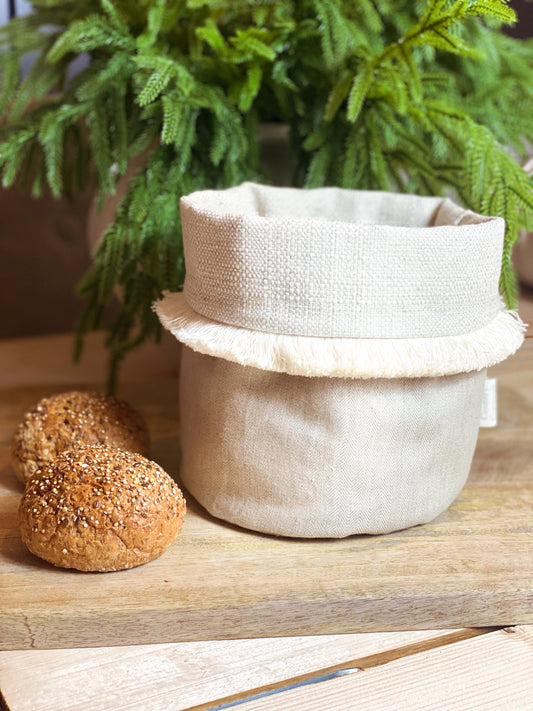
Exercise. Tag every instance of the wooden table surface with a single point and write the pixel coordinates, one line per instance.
(484, 665)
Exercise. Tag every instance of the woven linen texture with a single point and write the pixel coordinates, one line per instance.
(324, 457)
(333, 282)
(340, 263)
(344, 357)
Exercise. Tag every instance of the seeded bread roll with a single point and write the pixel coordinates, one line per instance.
(100, 509)
(71, 420)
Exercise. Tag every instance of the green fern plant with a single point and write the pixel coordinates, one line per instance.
(416, 96)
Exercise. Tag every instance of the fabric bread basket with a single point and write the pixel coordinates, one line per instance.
(336, 349)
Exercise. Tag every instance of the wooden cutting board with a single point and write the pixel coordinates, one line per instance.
(471, 567)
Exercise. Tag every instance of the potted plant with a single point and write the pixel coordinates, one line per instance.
(423, 97)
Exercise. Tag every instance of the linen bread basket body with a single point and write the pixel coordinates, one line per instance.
(337, 343)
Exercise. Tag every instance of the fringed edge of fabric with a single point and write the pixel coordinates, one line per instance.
(343, 357)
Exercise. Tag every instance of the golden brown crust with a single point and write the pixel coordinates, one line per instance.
(71, 420)
(100, 509)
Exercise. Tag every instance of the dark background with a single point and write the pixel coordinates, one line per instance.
(524, 26)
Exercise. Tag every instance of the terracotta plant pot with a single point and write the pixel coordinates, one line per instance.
(276, 163)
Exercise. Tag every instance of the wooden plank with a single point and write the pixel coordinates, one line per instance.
(492, 672)
(46, 362)
(178, 676)
(505, 452)
(470, 567)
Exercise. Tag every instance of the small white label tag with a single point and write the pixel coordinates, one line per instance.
(489, 406)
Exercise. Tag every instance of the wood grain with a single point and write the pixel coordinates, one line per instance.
(178, 676)
(492, 672)
(470, 567)
(505, 452)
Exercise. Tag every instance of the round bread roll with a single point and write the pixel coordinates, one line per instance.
(100, 509)
(71, 420)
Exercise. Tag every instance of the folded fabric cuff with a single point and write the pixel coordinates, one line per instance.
(343, 357)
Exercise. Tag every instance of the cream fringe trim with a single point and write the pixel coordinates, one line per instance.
(344, 357)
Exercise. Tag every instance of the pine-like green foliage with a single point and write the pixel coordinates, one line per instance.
(410, 95)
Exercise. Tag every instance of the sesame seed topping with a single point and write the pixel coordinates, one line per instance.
(120, 485)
